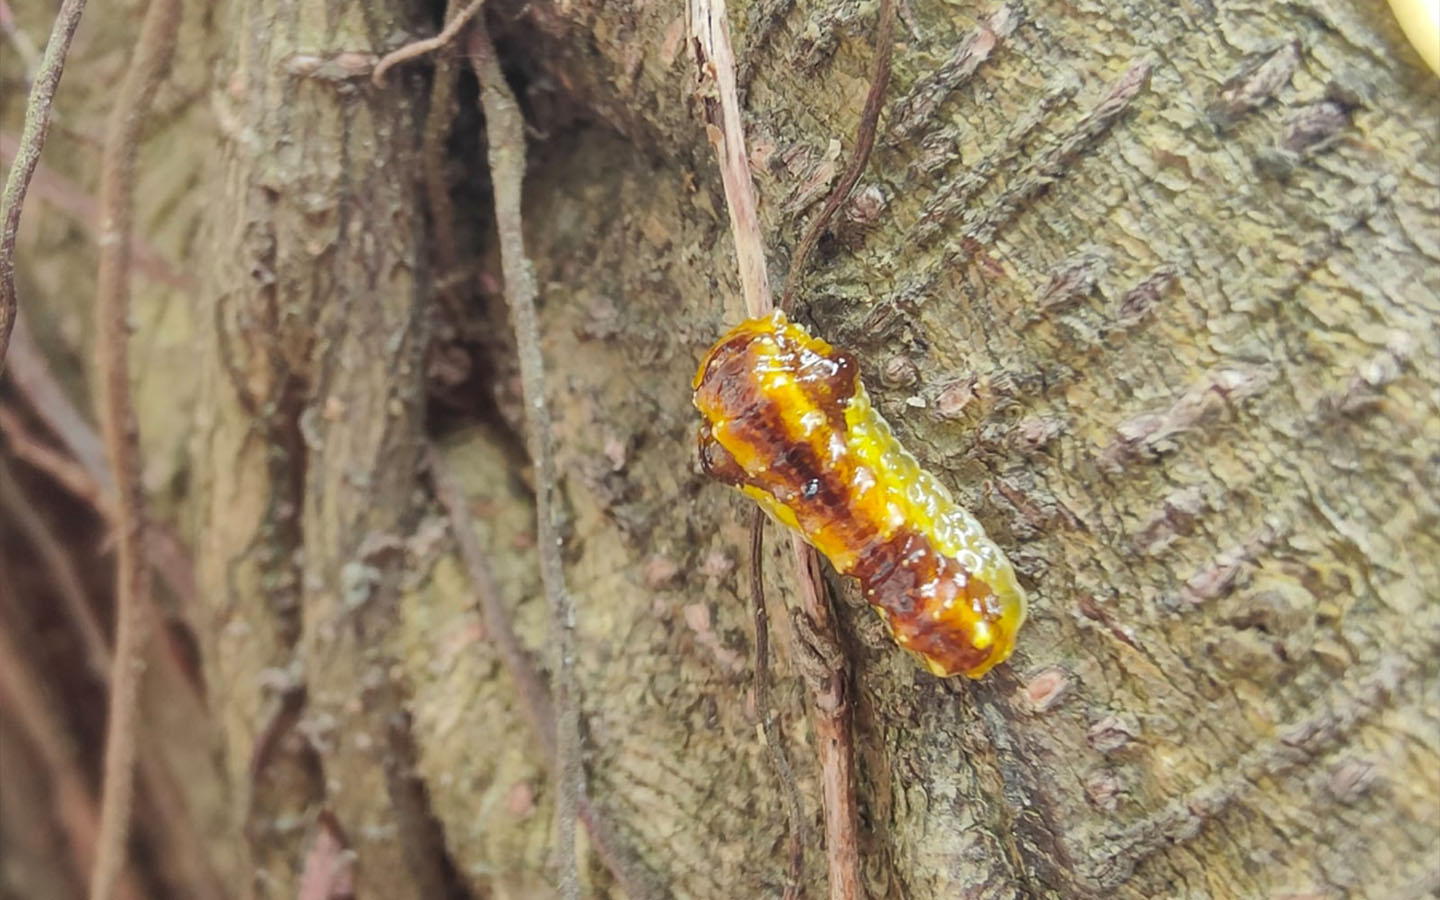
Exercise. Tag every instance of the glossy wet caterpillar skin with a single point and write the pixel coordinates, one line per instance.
(787, 421)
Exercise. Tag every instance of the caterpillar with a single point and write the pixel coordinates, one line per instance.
(787, 421)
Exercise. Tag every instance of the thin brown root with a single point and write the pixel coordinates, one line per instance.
(88, 477)
(830, 708)
(629, 873)
(438, 121)
(534, 695)
(172, 826)
(65, 471)
(410, 51)
(148, 67)
(27, 705)
(32, 139)
(833, 743)
(30, 373)
(794, 810)
(864, 143)
(505, 135)
(715, 61)
(63, 574)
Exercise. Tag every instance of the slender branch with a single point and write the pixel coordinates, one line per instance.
(830, 709)
(26, 703)
(505, 134)
(534, 695)
(438, 121)
(864, 143)
(716, 63)
(89, 476)
(420, 48)
(30, 373)
(148, 67)
(774, 740)
(629, 873)
(32, 139)
(173, 826)
(63, 574)
(834, 746)
(828, 681)
(65, 471)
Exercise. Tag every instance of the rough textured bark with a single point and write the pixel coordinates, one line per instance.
(307, 458)
(1152, 288)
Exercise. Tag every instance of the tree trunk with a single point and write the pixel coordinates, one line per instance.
(1155, 291)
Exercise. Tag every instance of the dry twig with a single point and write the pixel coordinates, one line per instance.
(173, 825)
(505, 135)
(32, 139)
(864, 143)
(831, 712)
(454, 23)
(834, 746)
(438, 120)
(148, 66)
(534, 695)
(88, 477)
(716, 78)
(63, 470)
(828, 680)
(63, 574)
(23, 697)
(774, 740)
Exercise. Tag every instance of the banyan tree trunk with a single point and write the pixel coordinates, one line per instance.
(1153, 288)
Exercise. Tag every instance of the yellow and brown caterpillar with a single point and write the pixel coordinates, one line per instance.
(787, 421)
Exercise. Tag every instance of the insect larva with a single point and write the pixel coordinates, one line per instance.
(787, 421)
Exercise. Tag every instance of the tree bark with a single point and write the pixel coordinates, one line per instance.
(1154, 290)
(307, 463)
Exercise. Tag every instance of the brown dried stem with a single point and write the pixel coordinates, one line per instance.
(30, 373)
(25, 701)
(833, 744)
(715, 61)
(831, 710)
(505, 135)
(88, 476)
(63, 575)
(173, 824)
(453, 25)
(774, 739)
(32, 139)
(534, 695)
(148, 66)
(438, 120)
(65, 471)
(864, 143)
